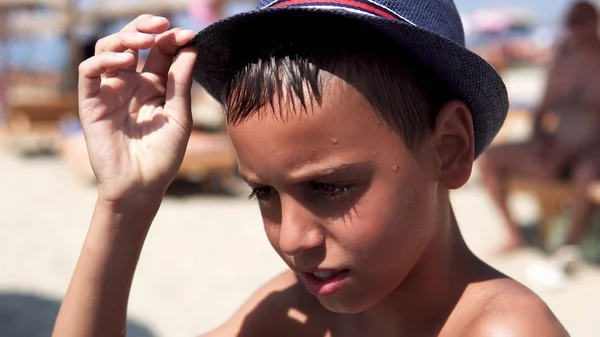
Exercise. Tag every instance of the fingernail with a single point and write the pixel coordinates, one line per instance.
(185, 33)
(122, 56)
(158, 18)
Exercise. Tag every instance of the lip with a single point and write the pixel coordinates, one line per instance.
(324, 288)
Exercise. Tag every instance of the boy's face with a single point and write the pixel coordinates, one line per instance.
(339, 191)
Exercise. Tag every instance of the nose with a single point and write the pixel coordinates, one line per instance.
(299, 231)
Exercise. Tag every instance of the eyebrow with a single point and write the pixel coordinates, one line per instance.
(312, 173)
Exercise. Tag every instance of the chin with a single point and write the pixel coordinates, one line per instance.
(358, 299)
(349, 305)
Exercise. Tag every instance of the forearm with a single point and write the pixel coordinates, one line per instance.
(96, 301)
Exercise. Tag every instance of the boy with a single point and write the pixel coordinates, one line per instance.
(350, 144)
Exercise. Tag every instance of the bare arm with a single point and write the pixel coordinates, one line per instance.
(136, 127)
(96, 301)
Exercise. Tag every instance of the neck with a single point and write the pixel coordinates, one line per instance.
(425, 299)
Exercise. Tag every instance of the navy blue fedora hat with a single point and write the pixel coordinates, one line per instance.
(431, 30)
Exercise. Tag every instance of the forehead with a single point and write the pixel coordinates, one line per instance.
(343, 129)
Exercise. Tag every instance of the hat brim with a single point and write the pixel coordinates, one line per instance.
(474, 80)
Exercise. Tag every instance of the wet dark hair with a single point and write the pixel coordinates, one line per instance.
(404, 93)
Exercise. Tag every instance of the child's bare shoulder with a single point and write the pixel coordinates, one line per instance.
(507, 308)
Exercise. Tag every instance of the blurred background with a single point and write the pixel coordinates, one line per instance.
(207, 251)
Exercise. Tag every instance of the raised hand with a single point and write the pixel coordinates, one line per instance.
(137, 124)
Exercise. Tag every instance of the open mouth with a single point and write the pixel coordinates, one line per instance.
(325, 275)
(324, 283)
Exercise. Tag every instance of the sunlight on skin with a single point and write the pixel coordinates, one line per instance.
(297, 315)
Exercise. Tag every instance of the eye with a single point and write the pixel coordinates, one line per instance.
(331, 191)
(263, 193)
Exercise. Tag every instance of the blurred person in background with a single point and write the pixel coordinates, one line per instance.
(569, 151)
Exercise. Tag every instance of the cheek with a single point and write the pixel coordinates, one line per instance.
(393, 219)
(271, 220)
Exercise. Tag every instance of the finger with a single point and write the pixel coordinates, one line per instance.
(135, 36)
(126, 41)
(179, 85)
(161, 55)
(91, 70)
(147, 23)
(123, 41)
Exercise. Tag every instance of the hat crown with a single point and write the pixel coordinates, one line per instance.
(437, 16)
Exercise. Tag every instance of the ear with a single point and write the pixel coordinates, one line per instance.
(454, 144)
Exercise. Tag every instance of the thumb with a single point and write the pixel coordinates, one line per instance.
(179, 85)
